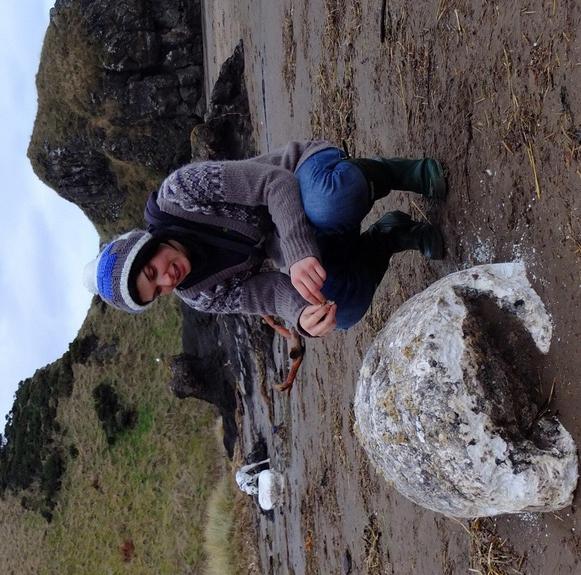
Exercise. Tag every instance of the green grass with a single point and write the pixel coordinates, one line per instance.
(150, 487)
(138, 182)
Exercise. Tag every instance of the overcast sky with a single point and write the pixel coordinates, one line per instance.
(45, 241)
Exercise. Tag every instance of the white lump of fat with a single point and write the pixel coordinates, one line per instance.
(429, 423)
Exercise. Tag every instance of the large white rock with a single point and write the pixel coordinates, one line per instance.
(443, 404)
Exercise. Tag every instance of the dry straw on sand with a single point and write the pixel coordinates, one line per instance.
(489, 554)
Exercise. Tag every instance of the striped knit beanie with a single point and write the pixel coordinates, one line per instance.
(108, 274)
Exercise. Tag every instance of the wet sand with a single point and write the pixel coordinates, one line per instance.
(493, 90)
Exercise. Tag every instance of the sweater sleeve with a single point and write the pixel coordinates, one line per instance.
(265, 293)
(251, 183)
(276, 288)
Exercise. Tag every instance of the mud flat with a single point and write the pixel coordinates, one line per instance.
(494, 91)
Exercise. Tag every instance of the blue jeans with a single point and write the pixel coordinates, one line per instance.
(336, 199)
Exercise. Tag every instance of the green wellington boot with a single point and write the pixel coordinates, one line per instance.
(396, 232)
(424, 176)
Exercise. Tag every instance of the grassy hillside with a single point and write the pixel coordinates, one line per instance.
(135, 505)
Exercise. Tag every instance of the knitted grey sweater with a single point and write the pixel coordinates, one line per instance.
(259, 198)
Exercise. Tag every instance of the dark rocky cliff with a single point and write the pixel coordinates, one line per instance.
(120, 86)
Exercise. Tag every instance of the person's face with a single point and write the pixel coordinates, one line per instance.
(163, 272)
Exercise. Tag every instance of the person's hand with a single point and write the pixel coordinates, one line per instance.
(319, 320)
(307, 276)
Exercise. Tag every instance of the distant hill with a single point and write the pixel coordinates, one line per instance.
(30, 451)
(120, 86)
